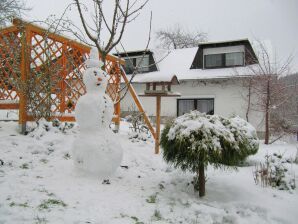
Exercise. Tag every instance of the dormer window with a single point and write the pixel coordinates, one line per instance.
(141, 62)
(214, 61)
(224, 60)
(234, 59)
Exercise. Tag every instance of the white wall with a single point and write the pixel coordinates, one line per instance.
(229, 99)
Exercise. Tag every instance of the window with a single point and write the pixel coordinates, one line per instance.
(234, 59)
(185, 106)
(224, 60)
(129, 67)
(141, 61)
(202, 105)
(213, 60)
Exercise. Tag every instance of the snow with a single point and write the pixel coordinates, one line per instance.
(9, 115)
(94, 150)
(38, 167)
(177, 63)
(213, 125)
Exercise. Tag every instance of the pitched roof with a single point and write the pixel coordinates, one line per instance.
(177, 63)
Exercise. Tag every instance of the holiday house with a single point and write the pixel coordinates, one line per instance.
(210, 77)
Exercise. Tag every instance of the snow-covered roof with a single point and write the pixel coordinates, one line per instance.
(177, 63)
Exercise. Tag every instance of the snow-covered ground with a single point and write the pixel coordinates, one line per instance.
(38, 184)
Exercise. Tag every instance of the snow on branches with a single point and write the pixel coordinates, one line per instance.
(195, 140)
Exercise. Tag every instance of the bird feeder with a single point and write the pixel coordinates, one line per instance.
(160, 89)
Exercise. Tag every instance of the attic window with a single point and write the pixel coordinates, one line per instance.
(141, 62)
(224, 60)
(213, 60)
(234, 59)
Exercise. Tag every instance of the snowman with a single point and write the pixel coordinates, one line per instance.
(95, 150)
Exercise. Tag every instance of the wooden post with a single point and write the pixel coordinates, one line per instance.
(26, 41)
(117, 105)
(158, 99)
(62, 83)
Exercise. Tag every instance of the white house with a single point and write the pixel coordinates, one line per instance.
(210, 79)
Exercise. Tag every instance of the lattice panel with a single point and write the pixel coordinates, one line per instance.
(52, 67)
(9, 65)
(46, 67)
(114, 80)
(73, 83)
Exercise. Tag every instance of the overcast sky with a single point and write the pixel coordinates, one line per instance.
(274, 20)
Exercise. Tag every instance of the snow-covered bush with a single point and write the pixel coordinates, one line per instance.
(41, 127)
(275, 172)
(138, 130)
(195, 140)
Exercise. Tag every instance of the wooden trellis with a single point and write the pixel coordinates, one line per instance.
(32, 54)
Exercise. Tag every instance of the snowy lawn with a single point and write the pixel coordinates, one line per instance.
(38, 184)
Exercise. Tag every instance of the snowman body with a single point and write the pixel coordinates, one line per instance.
(95, 149)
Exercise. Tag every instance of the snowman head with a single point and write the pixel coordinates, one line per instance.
(95, 79)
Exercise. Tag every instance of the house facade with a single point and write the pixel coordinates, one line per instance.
(211, 79)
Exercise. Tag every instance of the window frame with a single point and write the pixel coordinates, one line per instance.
(146, 68)
(195, 103)
(243, 61)
(134, 60)
(223, 64)
(219, 66)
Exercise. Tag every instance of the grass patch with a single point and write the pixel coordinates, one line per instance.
(47, 204)
(40, 220)
(66, 156)
(157, 215)
(45, 161)
(24, 166)
(136, 219)
(152, 198)
(43, 190)
(23, 205)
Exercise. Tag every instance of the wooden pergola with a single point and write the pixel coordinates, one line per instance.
(25, 51)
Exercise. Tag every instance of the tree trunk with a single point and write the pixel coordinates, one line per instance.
(103, 58)
(249, 99)
(201, 180)
(267, 113)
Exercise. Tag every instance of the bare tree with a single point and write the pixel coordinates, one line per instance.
(268, 93)
(123, 13)
(9, 9)
(177, 37)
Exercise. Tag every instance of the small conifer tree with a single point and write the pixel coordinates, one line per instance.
(195, 140)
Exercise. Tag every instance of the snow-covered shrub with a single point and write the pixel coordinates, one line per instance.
(139, 136)
(275, 172)
(195, 140)
(138, 130)
(40, 128)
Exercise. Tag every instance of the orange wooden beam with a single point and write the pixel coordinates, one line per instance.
(41, 31)
(26, 43)
(9, 106)
(7, 30)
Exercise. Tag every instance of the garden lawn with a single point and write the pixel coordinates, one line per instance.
(39, 184)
